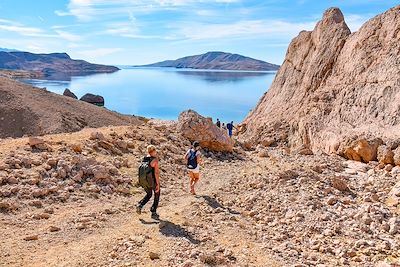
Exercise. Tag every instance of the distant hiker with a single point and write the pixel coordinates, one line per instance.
(218, 123)
(230, 127)
(223, 126)
(149, 179)
(193, 158)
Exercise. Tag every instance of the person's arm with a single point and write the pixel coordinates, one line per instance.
(186, 155)
(154, 164)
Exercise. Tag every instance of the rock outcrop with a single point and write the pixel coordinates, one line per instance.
(68, 93)
(197, 128)
(93, 99)
(333, 87)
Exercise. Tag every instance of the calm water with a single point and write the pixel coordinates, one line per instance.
(164, 93)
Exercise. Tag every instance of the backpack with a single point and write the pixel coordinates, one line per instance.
(192, 160)
(146, 174)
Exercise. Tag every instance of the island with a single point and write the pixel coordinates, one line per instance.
(50, 64)
(217, 61)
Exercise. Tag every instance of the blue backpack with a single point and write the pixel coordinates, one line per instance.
(192, 160)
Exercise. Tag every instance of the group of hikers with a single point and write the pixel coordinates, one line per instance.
(149, 175)
(229, 126)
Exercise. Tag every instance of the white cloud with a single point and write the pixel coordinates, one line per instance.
(86, 10)
(68, 36)
(244, 29)
(99, 52)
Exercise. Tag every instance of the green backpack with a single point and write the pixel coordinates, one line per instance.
(146, 174)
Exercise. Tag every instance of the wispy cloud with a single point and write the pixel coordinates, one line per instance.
(244, 29)
(99, 52)
(86, 10)
(68, 36)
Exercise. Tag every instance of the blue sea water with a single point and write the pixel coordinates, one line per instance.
(165, 92)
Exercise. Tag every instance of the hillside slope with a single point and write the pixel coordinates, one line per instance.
(26, 110)
(334, 87)
(218, 61)
(49, 64)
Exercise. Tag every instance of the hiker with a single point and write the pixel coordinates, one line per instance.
(193, 157)
(151, 172)
(223, 126)
(218, 123)
(230, 127)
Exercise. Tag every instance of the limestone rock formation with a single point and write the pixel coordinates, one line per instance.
(320, 98)
(93, 99)
(197, 128)
(68, 93)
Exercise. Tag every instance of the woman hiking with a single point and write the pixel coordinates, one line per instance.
(152, 164)
(193, 158)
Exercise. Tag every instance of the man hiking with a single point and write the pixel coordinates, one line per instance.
(230, 127)
(149, 171)
(218, 123)
(193, 158)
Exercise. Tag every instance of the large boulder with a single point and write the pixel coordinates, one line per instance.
(68, 93)
(93, 99)
(198, 128)
(361, 149)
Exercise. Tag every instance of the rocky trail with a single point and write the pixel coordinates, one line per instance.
(72, 204)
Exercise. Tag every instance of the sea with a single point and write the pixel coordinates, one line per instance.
(163, 93)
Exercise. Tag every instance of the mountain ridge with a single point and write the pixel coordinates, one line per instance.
(49, 64)
(217, 60)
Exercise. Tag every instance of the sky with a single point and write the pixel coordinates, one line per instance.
(134, 32)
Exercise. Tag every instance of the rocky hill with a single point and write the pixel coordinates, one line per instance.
(336, 91)
(218, 61)
(27, 110)
(49, 64)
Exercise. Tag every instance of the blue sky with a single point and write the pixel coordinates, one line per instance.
(146, 31)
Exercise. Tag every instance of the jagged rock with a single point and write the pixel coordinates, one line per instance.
(154, 256)
(197, 128)
(320, 98)
(385, 155)
(68, 93)
(396, 156)
(93, 99)
(361, 150)
(394, 195)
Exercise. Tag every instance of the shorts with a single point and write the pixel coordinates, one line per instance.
(194, 176)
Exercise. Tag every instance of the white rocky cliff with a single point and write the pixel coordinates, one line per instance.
(334, 88)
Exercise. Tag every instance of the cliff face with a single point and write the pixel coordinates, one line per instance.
(334, 86)
(48, 64)
(218, 61)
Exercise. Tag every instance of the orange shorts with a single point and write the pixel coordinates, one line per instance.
(194, 176)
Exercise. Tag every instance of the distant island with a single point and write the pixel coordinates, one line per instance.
(217, 61)
(50, 64)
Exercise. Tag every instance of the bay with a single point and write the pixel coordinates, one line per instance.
(165, 92)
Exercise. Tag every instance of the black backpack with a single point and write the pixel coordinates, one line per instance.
(146, 174)
(192, 160)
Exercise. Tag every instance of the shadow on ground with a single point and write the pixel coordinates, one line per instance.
(171, 229)
(213, 203)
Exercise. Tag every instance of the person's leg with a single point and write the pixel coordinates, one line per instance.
(196, 177)
(155, 201)
(191, 178)
(143, 202)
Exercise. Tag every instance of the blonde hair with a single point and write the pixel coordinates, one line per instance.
(151, 148)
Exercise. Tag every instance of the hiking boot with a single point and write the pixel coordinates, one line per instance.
(154, 215)
(138, 209)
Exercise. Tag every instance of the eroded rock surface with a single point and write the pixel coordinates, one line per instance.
(320, 98)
